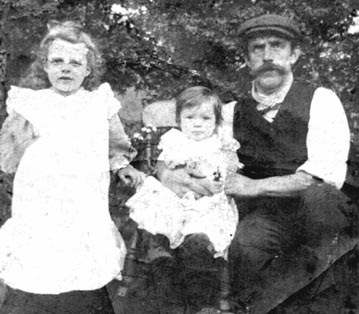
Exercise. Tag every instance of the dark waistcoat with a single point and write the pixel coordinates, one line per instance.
(277, 148)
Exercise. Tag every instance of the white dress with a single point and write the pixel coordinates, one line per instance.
(160, 211)
(61, 236)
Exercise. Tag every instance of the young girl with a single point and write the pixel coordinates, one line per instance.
(205, 151)
(60, 247)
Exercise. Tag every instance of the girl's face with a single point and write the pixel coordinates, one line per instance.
(66, 66)
(198, 123)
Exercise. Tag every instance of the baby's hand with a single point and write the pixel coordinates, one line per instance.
(131, 176)
(213, 186)
(195, 170)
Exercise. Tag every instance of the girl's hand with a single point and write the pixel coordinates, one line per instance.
(131, 176)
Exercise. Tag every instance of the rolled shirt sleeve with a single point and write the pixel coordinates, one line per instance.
(328, 139)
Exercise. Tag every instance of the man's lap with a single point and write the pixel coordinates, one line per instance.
(288, 242)
(273, 224)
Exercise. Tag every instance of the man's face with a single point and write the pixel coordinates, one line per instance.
(270, 60)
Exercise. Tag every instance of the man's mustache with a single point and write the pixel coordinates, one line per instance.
(268, 67)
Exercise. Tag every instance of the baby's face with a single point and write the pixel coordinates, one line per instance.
(198, 123)
(66, 66)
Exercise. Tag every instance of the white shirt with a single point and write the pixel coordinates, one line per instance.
(328, 137)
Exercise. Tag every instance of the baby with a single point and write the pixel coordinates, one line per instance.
(204, 150)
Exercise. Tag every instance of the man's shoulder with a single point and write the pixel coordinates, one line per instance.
(244, 98)
(304, 85)
(325, 91)
(319, 93)
(245, 92)
(315, 87)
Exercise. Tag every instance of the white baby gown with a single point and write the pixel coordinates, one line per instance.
(61, 236)
(160, 211)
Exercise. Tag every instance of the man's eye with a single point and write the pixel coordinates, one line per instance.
(206, 118)
(257, 47)
(277, 44)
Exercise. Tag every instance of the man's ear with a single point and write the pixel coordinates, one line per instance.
(296, 52)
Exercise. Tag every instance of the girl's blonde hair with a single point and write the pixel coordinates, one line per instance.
(72, 32)
(195, 96)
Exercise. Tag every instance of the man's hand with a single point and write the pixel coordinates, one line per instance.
(180, 182)
(131, 176)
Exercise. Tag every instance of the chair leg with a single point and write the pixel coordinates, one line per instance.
(2, 293)
(129, 270)
(225, 287)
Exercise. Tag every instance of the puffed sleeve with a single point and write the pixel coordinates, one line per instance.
(227, 113)
(17, 133)
(229, 147)
(21, 100)
(106, 95)
(173, 148)
(14, 101)
(121, 152)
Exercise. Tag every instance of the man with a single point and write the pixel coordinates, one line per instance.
(294, 144)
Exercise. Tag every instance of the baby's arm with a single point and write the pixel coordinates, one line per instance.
(121, 153)
(16, 135)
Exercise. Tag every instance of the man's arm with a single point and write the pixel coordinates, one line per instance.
(328, 139)
(283, 186)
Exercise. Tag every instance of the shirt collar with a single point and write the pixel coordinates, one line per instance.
(266, 102)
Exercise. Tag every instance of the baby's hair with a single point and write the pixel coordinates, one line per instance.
(194, 97)
(72, 32)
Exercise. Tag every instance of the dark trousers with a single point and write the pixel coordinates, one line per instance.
(73, 302)
(283, 243)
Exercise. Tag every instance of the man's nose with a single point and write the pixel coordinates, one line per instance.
(268, 53)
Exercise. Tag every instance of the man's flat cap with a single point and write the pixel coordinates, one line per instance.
(270, 23)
